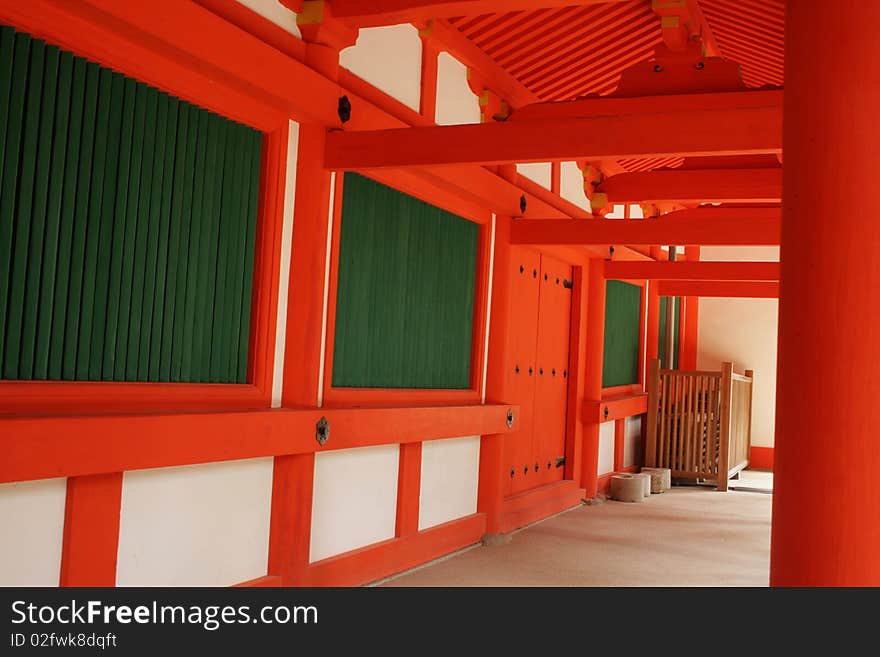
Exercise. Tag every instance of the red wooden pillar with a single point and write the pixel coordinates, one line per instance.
(491, 487)
(293, 476)
(826, 510)
(593, 372)
(91, 530)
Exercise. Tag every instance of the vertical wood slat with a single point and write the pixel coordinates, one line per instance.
(91, 259)
(724, 446)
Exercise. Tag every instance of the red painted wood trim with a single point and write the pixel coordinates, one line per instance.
(238, 14)
(761, 458)
(694, 270)
(620, 407)
(593, 372)
(396, 555)
(37, 447)
(267, 581)
(491, 481)
(652, 339)
(574, 432)
(551, 198)
(409, 479)
(430, 64)
(619, 443)
(722, 226)
(290, 527)
(742, 289)
(184, 49)
(538, 503)
(716, 124)
(91, 530)
(759, 185)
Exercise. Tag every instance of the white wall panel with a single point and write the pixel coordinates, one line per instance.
(744, 332)
(355, 499)
(389, 58)
(274, 11)
(31, 532)
(571, 185)
(606, 448)
(632, 441)
(199, 525)
(456, 103)
(450, 475)
(539, 172)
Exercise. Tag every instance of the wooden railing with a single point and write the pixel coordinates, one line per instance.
(699, 423)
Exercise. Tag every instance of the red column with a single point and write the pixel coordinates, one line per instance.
(593, 372)
(490, 494)
(826, 508)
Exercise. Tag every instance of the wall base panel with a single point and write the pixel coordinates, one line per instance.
(532, 505)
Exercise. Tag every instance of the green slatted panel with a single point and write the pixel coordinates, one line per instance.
(405, 299)
(127, 226)
(620, 362)
(661, 351)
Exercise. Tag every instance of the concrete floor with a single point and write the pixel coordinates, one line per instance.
(684, 537)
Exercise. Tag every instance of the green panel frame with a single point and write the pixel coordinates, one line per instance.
(405, 295)
(620, 361)
(127, 226)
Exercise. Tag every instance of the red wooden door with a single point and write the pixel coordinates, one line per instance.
(551, 384)
(523, 336)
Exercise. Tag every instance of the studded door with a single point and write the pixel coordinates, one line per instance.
(551, 384)
(523, 337)
(537, 372)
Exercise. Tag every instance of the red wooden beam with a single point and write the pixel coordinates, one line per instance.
(655, 126)
(370, 13)
(711, 226)
(695, 186)
(37, 447)
(742, 289)
(693, 271)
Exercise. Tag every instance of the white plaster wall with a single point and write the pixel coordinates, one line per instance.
(389, 58)
(456, 103)
(539, 172)
(199, 525)
(276, 12)
(743, 331)
(31, 532)
(606, 448)
(632, 441)
(571, 185)
(450, 473)
(355, 499)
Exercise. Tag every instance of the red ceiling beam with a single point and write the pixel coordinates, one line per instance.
(741, 289)
(695, 186)
(654, 126)
(693, 271)
(372, 13)
(700, 226)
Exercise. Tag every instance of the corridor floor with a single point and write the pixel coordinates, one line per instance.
(684, 537)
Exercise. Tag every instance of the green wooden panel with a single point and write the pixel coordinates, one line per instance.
(18, 273)
(620, 361)
(661, 347)
(405, 294)
(127, 226)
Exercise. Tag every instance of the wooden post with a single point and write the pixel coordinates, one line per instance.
(593, 373)
(724, 446)
(653, 406)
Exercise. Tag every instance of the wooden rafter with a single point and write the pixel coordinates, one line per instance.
(700, 226)
(693, 271)
(654, 126)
